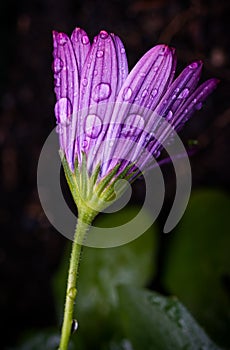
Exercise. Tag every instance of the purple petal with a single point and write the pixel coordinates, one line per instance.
(152, 73)
(81, 45)
(173, 100)
(122, 68)
(149, 78)
(66, 89)
(194, 102)
(179, 90)
(98, 89)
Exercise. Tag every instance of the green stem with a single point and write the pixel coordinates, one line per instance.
(71, 290)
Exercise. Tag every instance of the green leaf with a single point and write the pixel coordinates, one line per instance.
(46, 341)
(153, 322)
(101, 270)
(198, 262)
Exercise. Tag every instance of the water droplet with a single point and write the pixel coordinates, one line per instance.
(173, 97)
(84, 144)
(57, 82)
(169, 115)
(74, 326)
(103, 34)
(122, 50)
(59, 129)
(57, 65)
(154, 92)
(156, 154)
(62, 38)
(155, 300)
(144, 93)
(193, 65)
(155, 68)
(101, 92)
(198, 106)
(72, 293)
(100, 53)
(127, 93)
(95, 73)
(162, 50)
(133, 125)
(93, 125)
(85, 82)
(184, 93)
(85, 40)
(63, 111)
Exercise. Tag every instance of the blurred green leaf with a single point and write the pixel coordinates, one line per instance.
(46, 340)
(154, 322)
(198, 262)
(101, 270)
(123, 344)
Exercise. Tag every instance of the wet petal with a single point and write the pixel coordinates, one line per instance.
(81, 45)
(149, 78)
(122, 67)
(98, 88)
(194, 102)
(66, 89)
(176, 96)
(179, 90)
(151, 75)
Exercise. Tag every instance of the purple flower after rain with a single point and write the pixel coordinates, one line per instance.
(107, 116)
(112, 123)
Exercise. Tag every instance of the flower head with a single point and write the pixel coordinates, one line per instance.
(107, 116)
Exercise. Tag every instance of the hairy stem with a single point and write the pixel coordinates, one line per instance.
(71, 291)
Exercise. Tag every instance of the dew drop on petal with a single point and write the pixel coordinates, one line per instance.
(133, 125)
(184, 93)
(59, 129)
(122, 50)
(63, 110)
(193, 65)
(144, 93)
(198, 106)
(85, 40)
(154, 92)
(162, 50)
(101, 92)
(93, 125)
(57, 82)
(169, 115)
(57, 65)
(100, 53)
(127, 93)
(84, 144)
(85, 82)
(103, 34)
(62, 39)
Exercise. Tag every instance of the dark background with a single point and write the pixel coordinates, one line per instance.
(30, 248)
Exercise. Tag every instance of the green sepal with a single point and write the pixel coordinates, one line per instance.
(84, 177)
(71, 179)
(105, 182)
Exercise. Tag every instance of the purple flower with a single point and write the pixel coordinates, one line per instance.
(105, 113)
